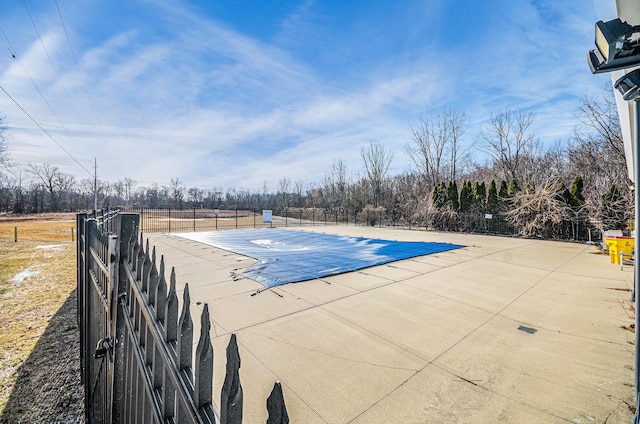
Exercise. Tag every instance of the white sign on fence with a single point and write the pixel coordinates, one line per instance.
(216, 212)
(266, 215)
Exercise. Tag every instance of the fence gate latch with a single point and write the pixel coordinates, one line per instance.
(102, 347)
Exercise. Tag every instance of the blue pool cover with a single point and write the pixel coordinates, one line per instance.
(288, 256)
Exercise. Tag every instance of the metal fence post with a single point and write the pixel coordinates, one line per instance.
(83, 311)
(127, 226)
(80, 279)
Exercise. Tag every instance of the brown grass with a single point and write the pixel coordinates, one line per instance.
(45, 249)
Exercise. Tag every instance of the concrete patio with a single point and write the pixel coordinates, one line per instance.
(504, 330)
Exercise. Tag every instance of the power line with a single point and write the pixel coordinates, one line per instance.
(75, 59)
(15, 55)
(55, 70)
(46, 132)
(66, 33)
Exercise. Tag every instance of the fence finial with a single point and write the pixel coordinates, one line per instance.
(161, 293)
(185, 337)
(231, 396)
(140, 263)
(275, 406)
(146, 269)
(171, 313)
(204, 362)
(153, 279)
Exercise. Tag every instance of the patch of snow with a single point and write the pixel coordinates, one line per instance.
(21, 276)
(50, 247)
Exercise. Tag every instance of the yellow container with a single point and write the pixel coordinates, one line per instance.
(619, 245)
(612, 244)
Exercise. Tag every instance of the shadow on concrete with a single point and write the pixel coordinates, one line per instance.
(48, 388)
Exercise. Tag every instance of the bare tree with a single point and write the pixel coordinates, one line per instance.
(106, 189)
(129, 184)
(19, 192)
(427, 149)
(377, 160)
(85, 190)
(118, 188)
(196, 196)
(539, 211)
(336, 184)
(176, 190)
(597, 154)
(6, 192)
(299, 188)
(455, 124)
(597, 146)
(436, 147)
(551, 163)
(4, 148)
(508, 142)
(55, 182)
(601, 125)
(284, 185)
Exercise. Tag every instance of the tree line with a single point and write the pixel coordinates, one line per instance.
(538, 190)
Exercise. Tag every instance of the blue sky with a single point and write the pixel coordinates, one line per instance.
(234, 93)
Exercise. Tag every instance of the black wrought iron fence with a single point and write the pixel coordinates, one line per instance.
(97, 280)
(137, 360)
(136, 336)
(188, 220)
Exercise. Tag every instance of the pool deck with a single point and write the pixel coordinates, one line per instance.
(504, 330)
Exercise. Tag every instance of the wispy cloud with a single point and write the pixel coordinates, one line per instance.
(176, 91)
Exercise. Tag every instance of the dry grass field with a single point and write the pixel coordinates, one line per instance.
(39, 365)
